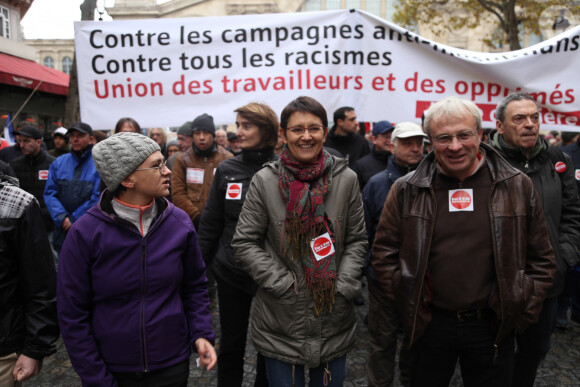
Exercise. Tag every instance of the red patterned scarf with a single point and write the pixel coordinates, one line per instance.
(303, 188)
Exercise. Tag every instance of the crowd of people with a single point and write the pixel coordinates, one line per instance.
(467, 243)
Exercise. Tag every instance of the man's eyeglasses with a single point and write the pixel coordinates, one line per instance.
(447, 139)
(161, 168)
(313, 130)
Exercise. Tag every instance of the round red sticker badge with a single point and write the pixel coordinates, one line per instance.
(460, 200)
(560, 167)
(322, 246)
(234, 191)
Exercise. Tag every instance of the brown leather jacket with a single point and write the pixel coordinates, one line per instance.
(191, 196)
(523, 256)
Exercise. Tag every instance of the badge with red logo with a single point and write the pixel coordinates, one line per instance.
(560, 167)
(43, 175)
(461, 199)
(322, 246)
(577, 173)
(234, 191)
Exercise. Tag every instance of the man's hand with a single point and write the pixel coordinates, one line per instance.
(25, 368)
(207, 355)
(66, 224)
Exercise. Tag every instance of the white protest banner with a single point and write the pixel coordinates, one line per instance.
(164, 72)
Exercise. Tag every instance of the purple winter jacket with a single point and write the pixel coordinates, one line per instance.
(128, 303)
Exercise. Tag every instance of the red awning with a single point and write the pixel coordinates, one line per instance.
(26, 73)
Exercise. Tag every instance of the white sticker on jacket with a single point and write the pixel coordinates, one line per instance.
(322, 246)
(234, 191)
(194, 175)
(461, 199)
(43, 174)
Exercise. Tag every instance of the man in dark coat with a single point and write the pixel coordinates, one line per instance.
(376, 161)
(32, 168)
(28, 293)
(517, 140)
(344, 138)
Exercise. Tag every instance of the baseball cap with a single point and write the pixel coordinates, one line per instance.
(407, 129)
(382, 127)
(82, 127)
(60, 132)
(30, 131)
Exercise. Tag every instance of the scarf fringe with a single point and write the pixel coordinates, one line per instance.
(303, 188)
(300, 232)
(322, 290)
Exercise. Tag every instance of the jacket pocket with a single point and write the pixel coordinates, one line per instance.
(341, 319)
(276, 315)
(168, 337)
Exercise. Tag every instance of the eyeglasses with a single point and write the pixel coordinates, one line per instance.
(161, 168)
(313, 130)
(447, 139)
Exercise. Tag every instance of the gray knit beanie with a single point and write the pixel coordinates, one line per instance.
(119, 155)
(185, 129)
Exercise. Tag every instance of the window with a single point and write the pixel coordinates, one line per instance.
(498, 39)
(458, 39)
(374, 7)
(66, 65)
(381, 8)
(313, 5)
(352, 4)
(333, 4)
(49, 62)
(534, 38)
(4, 22)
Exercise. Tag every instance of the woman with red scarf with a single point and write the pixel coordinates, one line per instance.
(301, 237)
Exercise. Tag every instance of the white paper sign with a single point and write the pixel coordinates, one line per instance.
(195, 175)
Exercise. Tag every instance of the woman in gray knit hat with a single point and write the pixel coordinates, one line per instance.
(132, 287)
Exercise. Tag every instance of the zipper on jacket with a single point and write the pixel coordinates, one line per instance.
(142, 317)
(495, 342)
(425, 270)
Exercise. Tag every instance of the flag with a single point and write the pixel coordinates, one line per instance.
(9, 131)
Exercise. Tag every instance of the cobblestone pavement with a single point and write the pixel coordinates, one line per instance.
(561, 367)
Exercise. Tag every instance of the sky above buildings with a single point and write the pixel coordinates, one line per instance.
(53, 19)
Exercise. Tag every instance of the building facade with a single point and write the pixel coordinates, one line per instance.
(58, 54)
(28, 90)
(54, 53)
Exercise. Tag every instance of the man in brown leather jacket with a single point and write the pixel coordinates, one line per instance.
(193, 169)
(463, 251)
